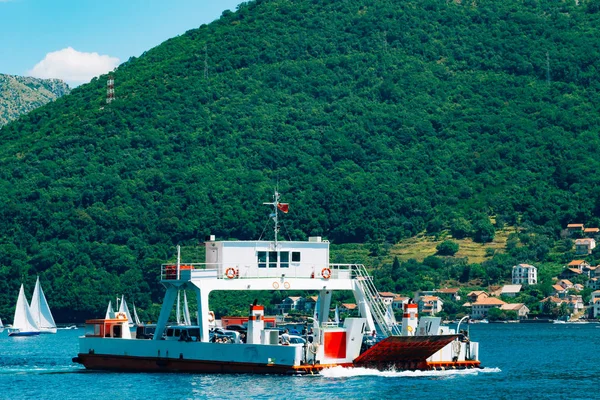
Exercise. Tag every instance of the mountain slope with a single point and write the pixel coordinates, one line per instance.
(376, 120)
(19, 95)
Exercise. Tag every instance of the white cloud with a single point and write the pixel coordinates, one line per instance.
(72, 66)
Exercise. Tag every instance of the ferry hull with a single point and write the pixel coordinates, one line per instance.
(155, 364)
(398, 352)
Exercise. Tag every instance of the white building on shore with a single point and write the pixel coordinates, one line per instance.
(524, 274)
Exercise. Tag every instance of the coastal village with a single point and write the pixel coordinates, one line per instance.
(565, 301)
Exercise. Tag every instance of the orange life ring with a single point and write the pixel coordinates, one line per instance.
(230, 273)
(286, 285)
(326, 273)
(211, 316)
(121, 315)
(275, 285)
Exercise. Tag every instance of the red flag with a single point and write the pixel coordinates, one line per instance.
(284, 207)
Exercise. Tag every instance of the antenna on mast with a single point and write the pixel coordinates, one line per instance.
(283, 207)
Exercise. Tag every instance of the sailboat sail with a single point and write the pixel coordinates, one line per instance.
(1, 326)
(23, 321)
(41, 311)
(124, 309)
(178, 309)
(110, 313)
(186, 310)
(135, 315)
(337, 315)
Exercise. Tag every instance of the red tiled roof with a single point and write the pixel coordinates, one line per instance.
(576, 262)
(448, 290)
(489, 301)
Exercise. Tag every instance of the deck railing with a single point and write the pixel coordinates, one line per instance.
(245, 271)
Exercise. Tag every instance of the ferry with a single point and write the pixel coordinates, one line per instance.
(414, 344)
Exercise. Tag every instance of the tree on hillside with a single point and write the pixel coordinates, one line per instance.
(483, 231)
(447, 248)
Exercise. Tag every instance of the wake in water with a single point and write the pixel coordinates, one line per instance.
(341, 372)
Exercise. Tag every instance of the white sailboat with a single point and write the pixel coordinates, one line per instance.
(123, 309)
(23, 323)
(1, 326)
(182, 312)
(110, 312)
(41, 311)
(135, 316)
(186, 310)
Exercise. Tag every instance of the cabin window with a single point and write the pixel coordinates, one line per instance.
(262, 259)
(295, 256)
(177, 332)
(195, 333)
(284, 259)
(272, 259)
(117, 331)
(170, 332)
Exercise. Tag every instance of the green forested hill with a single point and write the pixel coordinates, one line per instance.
(376, 119)
(21, 94)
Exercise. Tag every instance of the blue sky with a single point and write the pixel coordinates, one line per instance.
(75, 40)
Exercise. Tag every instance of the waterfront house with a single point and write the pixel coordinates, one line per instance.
(578, 264)
(584, 246)
(595, 304)
(480, 308)
(495, 291)
(387, 297)
(510, 290)
(556, 300)
(399, 302)
(595, 308)
(450, 292)
(310, 302)
(476, 295)
(570, 273)
(591, 232)
(575, 229)
(520, 308)
(348, 307)
(292, 303)
(575, 303)
(593, 283)
(524, 274)
(565, 283)
(430, 305)
(559, 291)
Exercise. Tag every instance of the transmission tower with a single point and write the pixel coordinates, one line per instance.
(110, 90)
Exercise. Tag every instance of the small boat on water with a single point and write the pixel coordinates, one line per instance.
(373, 339)
(23, 323)
(1, 326)
(41, 310)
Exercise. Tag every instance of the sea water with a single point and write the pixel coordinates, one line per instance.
(521, 361)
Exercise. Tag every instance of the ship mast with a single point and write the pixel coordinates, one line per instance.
(276, 206)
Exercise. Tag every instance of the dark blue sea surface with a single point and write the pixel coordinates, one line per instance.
(522, 361)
